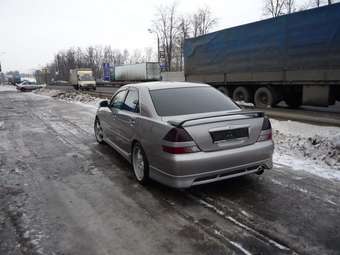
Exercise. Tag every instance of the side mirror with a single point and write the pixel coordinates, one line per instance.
(104, 103)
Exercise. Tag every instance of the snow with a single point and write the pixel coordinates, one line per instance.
(307, 147)
(239, 246)
(71, 97)
(7, 88)
(245, 105)
(302, 147)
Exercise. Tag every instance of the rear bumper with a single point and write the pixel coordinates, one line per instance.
(182, 171)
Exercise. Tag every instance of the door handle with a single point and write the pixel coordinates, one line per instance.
(132, 122)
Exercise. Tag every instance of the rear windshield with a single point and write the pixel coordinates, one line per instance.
(182, 101)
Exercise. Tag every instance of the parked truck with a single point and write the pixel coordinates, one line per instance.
(82, 78)
(149, 71)
(14, 78)
(295, 58)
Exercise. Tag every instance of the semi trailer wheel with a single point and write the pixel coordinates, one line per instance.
(224, 90)
(241, 94)
(264, 97)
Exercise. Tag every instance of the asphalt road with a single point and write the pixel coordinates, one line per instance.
(62, 193)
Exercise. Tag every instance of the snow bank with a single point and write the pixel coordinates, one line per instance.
(7, 88)
(70, 96)
(307, 147)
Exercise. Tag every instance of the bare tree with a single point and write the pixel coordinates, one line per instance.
(185, 29)
(203, 21)
(289, 6)
(148, 54)
(166, 26)
(274, 8)
(318, 3)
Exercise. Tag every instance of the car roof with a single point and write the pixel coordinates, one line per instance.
(166, 85)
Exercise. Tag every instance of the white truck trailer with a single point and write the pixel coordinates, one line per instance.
(82, 78)
(149, 71)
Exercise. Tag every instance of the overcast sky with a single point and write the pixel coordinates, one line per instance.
(32, 31)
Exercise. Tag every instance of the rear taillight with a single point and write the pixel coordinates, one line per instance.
(266, 124)
(177, 135)
(266, 132)
(178, 141)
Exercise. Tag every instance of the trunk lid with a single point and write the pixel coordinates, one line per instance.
(222, 131)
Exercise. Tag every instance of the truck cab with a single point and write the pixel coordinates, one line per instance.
(82, 79)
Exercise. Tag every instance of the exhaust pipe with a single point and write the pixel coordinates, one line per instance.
(260, 170)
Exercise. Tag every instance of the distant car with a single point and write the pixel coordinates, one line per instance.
(29, 86)
(184, 134)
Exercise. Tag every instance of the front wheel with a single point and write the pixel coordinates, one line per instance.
(140, 164)
(98, 131)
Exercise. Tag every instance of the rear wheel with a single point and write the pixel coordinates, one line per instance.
(140, 164)
(264, 97)
(241, 94)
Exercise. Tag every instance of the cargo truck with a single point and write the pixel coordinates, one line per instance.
(295, 58)
(82, 78)
(149, 71)
(14, 79)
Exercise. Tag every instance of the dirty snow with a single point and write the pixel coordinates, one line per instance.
(7, 88)
(307, 147)
(71, 97)
(298, 145)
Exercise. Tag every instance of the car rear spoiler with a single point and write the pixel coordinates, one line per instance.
(252, 114)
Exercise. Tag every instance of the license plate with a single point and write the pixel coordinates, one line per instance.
(230, 134)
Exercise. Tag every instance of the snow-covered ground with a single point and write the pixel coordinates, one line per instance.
(7, 88)
(307, 147)
(298, 145)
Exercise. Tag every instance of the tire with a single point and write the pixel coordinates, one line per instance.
(140, 164)
(241, 94)
(293, 101)
(223, 89)
(264, 97)
(98, 131)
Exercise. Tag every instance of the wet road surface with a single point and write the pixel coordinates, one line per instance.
(62, 193)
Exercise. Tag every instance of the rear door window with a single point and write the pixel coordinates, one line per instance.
(131, 103)
(191, 100)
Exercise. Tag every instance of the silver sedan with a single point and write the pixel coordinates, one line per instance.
(184, 134)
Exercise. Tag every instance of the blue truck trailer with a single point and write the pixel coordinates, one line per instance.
(295, 58)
